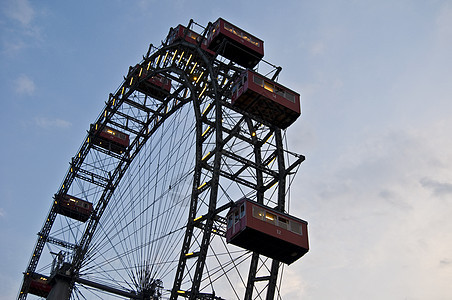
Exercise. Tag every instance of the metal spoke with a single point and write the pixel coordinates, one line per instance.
(157, 227)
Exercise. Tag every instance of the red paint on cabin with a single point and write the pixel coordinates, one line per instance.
(235, 44)
(155, 86)
(261, 229)
(112, 140)
(183, 33)
(266, 99)
(39, 285)
(73, 207)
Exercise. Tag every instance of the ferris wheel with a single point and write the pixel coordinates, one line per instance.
(180, 188)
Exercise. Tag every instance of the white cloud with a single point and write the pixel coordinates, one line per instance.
(444, 23)
(24, 85)
(12, 46)
(438, 188)
(21, 30)
(294, 285)
(52, 123)
(21, 11)
(381, 206)
(317, 48)
(2, 212)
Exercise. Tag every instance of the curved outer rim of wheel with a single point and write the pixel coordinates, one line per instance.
(121, 169)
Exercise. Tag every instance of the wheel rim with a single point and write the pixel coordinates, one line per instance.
(192, 155)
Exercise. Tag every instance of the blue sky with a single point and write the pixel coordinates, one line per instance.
(375, 79)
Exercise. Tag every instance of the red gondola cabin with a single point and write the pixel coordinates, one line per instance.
(39, 285)
(73, 207)
(156, 86)
(263, 230)
(235, 44)
(112, 140)
(183, 33)
(266, 99)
